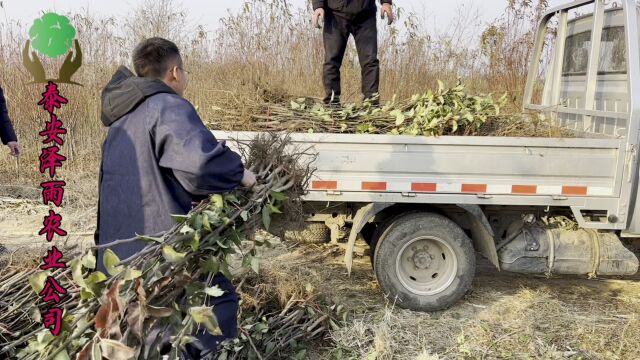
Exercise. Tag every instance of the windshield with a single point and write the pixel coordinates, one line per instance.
(612, 53)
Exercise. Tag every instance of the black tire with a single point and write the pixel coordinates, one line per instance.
(312, 233)
(382, 229)
(452, 274)
(306, 232)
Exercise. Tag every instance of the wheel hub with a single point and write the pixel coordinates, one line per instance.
(422, 260)
(426, 265)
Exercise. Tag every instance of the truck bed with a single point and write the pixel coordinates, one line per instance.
(579, 172)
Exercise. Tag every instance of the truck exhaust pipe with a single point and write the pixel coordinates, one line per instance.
(534, 249)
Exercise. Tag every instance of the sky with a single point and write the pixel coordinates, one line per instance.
(439, 13)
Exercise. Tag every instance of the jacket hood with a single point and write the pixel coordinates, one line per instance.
(125, 92)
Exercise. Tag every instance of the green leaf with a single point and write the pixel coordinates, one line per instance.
(205, 222)
(89, 261)
(37, 281)
(180, 218)
(150, 239)
(255, 264)
(266, 217)
(244, 215)
(217, 201)
(110, 261)
(231, 198)
(194, 243)
(224, 269)
(62, 355)
(214, 291)
(171, 255)
(197, 221)
(210, 265)
(204, 316)
(399, 116)
(278, 196)
(131, 273)
(222, 245)
(302, 354)
(95, 277)
(186, 229)
(273, 209)
(76, 273)
(96, 353)
(86, 294)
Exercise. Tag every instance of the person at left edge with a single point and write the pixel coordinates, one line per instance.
(7, 134)
(157, 158)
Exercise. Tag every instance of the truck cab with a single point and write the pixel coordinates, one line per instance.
(610, 80)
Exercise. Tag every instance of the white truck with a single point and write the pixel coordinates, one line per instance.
(426, 205)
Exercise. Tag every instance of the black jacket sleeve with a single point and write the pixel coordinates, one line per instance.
(317, 4)
(7, 134)
(201, 164)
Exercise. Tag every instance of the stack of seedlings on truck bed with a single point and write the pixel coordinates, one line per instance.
(163, 289)
(445, 111)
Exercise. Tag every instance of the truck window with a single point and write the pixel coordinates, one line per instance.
(612, 53)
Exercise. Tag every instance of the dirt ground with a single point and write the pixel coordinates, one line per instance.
(506, 316)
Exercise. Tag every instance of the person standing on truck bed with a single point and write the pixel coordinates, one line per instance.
(7, 134)
(157, 158)
(341, 19)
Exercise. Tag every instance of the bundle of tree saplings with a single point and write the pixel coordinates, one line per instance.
(164, 288)
(444, 111)
(271, 328)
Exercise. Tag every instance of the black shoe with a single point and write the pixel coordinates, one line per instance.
(374, 101)
(331, 100)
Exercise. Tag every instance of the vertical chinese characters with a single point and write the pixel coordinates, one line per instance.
(52, 193)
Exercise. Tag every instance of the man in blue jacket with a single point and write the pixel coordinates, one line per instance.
(341, 19)
(7, 135)
(157, 158)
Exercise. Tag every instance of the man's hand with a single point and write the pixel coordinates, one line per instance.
(248, 179)
(387, 10)
(14, 147)
(318, 18)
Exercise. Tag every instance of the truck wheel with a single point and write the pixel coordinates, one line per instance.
(424, 261)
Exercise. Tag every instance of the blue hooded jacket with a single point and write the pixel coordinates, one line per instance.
(7, 134)
(157, 158)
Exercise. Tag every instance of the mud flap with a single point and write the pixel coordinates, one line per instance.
(481, 233)
(363, 215)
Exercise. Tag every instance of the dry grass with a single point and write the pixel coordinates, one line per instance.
(507, 316)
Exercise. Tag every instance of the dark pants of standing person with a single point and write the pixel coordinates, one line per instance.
(225, 308)
(336, 34)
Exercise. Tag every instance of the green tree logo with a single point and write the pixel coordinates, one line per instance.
(52, 35)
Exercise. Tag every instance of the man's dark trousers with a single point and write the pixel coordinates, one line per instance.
(336, 34)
